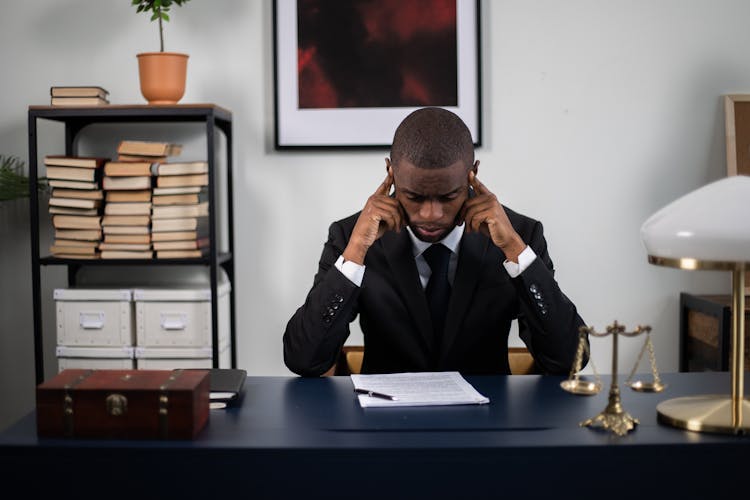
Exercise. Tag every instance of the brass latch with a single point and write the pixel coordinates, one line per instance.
(117, 405)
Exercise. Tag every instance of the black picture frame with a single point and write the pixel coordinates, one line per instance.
(353, 127)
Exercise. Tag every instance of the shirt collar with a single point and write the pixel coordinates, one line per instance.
(452, 240)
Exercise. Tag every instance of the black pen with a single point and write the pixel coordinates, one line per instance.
(374, 394)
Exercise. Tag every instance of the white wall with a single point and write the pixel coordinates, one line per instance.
(595, 114)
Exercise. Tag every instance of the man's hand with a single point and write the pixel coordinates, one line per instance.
(381, 213)
(484, 213)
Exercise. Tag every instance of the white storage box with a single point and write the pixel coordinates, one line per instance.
(94, 317)
(95, 358)
(180, 317)
(170, 358)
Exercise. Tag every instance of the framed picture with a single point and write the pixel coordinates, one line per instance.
(737, 127)
(347, 72)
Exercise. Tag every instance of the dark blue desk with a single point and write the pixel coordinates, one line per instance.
(308, 438)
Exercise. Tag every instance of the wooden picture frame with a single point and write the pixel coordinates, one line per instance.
(361, 88)
(737, 127)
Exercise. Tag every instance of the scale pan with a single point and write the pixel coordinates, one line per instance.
(582, 387)
(641, 386)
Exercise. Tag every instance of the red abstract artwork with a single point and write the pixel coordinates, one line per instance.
(376, 53)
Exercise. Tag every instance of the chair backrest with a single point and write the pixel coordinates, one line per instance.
(350, 361)
(521, 361)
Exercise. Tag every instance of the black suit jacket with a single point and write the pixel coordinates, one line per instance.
(395, 318)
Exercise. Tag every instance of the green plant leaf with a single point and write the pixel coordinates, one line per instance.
(157, 9)
(13, 183)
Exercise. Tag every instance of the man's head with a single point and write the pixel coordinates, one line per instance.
(431, 155)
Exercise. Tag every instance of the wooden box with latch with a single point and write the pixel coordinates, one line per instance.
(123, 404)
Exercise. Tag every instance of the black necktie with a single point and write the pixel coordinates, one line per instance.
(438, 289)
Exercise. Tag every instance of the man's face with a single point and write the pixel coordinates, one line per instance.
(431, 198)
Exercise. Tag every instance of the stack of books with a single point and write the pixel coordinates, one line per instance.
(180, 210)
(75, 205)
(128, 183)
(78, 96)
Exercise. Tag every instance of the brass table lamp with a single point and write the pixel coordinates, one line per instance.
(708, 229)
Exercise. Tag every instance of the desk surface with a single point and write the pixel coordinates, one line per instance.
(310, 437)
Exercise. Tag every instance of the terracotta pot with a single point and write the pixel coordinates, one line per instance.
(162, 76)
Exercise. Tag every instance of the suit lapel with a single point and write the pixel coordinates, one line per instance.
(398, 252)
(473, 250)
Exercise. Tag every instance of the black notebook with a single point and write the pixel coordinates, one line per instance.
(226, 386)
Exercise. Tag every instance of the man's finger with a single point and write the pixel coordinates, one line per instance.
(385, 187)
(477, 184)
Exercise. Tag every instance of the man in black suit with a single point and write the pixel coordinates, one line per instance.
(375, 266)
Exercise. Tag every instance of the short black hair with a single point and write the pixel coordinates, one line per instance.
(432, 138)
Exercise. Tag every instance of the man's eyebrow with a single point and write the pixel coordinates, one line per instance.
(414, 193)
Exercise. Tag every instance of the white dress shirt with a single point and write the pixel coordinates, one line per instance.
(355, 272)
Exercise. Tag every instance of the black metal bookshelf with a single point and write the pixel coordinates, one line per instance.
(75, 119)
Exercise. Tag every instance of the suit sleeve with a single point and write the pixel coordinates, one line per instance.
(548, 320)
(318, 329)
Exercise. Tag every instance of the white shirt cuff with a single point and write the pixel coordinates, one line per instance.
(525, 259)
(353, 271)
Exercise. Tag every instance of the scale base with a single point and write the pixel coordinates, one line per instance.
(619, 422)
(706, 413)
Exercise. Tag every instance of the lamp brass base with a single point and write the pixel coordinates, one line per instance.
(706, 413)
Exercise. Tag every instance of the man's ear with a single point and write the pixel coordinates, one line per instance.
(475, 167)
(388, 167)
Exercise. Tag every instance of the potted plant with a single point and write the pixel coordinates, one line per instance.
(14, 184)
(162, 74)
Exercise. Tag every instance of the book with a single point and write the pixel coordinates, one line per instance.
(181, 168)
(225, 386)
(182, 224)
(127, 168)
(95, 194)
(160, 191)
(124, 246)
(78, 91)
(181, 244)
(143, 229)
(134, 182)
(179, 211)
(178, 254)
(74, 161)
(74, 202)
(78, 250)
(174, 236)
(63, 183)
(76, 221)
(176, 199)
(73, 173)
(182, 180)
(59, 242)
(128, 208)
(73, 211)
(78, 234)
(130, 195)
(126, 254)
(151, 158)
(127, 238)
(126, 220)
(78, 101)
(76, 256)
(148, 148)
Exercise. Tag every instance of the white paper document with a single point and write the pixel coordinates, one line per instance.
(416, 389)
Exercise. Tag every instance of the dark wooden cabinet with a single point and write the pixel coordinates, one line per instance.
(706, 332)
(75, 120)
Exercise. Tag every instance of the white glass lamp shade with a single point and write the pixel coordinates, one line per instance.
(710, 224)
(708, 228)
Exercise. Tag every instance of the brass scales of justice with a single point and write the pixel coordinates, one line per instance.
(613, 418)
